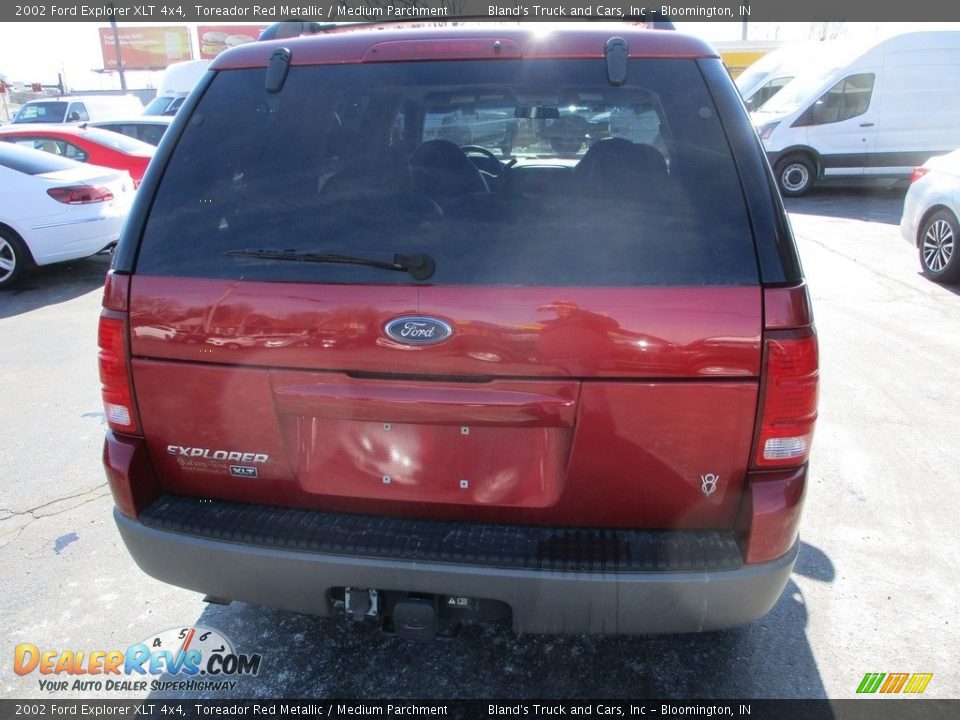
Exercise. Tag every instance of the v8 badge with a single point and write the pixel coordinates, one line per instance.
(708, 483)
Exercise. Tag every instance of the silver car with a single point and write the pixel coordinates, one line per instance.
(930, 212)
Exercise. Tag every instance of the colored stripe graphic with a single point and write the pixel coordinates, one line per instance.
(894, 683)
(918, 683)
(870, 682)
(913, 683)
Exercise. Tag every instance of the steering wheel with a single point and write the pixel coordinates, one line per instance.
(479, 150)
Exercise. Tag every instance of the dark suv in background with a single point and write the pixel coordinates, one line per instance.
(351, 366)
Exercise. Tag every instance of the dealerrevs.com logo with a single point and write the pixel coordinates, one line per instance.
(190, 658)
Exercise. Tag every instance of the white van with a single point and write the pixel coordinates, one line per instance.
(888, 110)
(78, 108)
(771, 73)
(175, 84)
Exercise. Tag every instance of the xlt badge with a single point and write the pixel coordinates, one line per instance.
(244, 471)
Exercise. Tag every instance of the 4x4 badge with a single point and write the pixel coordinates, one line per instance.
(418, 330)
(708, 483)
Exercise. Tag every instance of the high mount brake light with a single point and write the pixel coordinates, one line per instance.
(441, 49)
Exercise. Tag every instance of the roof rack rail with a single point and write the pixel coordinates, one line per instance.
(292, 27)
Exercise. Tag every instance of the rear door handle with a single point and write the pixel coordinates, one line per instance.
(866, 124)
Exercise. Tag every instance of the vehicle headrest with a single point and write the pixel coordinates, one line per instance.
(442, 170)
(621, 168)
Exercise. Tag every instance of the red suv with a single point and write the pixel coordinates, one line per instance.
(352, 366)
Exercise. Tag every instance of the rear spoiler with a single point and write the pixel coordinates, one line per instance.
(292, 27)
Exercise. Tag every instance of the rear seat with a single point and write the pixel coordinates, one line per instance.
(619, 169)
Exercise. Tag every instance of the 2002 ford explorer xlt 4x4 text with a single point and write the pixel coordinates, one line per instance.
(471, 323)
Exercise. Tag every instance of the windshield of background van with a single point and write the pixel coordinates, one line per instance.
(505, 173)
(42, 112)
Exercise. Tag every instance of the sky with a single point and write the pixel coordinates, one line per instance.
(36, 52)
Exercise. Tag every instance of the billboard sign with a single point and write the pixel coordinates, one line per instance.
(146, 48)
(214, 39)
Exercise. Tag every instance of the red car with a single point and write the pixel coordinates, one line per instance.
(89, 145)
(351, 367)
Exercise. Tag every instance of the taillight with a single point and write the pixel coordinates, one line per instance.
(918, 172)
(789, 405)
(80, 194)
(113, 358)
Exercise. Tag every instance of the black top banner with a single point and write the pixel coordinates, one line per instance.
(434, 10)
(159, 709)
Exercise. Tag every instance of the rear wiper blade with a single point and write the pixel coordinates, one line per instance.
(420, 265)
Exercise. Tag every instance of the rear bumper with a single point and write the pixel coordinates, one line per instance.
(542, 601)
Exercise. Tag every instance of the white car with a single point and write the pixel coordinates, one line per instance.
(53, 209)
(930, 212)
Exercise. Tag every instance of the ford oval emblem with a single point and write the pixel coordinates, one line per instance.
(418, 330)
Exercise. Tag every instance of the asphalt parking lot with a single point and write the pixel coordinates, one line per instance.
(874, 589)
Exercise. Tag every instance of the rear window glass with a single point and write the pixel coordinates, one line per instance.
(504, 173)
(31, 162)
(118, 141)
(145, 132)
(151, 134)
(53, 146)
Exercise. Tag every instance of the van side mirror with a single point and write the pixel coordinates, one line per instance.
(73, 117)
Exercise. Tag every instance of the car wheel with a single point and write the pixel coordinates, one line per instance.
(795, 175)
(14, 258)
(938, 247)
